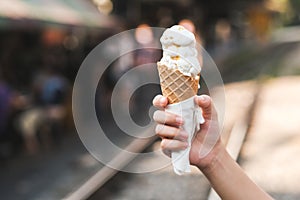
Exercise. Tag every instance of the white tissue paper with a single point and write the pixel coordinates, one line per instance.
(192, 116)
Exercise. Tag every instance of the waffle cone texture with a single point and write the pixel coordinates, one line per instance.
(176, 86)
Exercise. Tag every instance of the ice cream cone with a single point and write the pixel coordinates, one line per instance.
(176, 86)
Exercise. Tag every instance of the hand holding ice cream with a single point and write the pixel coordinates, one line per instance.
(179, 72)
(180, 117)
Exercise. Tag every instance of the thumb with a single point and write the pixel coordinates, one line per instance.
(210, 127)
(205, 102)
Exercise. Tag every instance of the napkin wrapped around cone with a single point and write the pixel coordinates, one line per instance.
(180, 91)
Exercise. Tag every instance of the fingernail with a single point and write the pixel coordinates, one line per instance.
(186, 145)
(184, 135)
(179, 120)
(162, 100)
(202, 98)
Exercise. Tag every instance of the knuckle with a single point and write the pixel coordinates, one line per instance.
(158, 129)
(176, 132)
(168, 144)
(163, 144)
(170, 117)
(156, 115)
(183, 135)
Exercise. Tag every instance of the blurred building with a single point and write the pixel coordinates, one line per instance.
(36, 36)
(239, 14)
(31, 29)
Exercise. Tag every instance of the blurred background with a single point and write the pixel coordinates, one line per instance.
(255, 44)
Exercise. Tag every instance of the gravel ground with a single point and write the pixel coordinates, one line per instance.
(269, 155)
(272, 148)
(156, 185)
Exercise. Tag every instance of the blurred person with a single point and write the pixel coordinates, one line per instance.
(29, 122)
(224, 38)
(188, 24)
(225, 175)
(11, 102)
(144, 36)
(115, 71)
(5, 109)
(46, 113)
(223, 31)
(260, 20)
(164, 15)
(53, 95)
(5, 101)
(145, 57)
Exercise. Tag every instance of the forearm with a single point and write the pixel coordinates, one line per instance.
(230, 181)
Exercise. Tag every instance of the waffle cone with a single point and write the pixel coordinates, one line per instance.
(176, 86)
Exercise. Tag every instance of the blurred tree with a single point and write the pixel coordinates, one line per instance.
(295, 5)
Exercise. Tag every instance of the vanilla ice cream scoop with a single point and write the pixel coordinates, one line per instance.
(179, 51)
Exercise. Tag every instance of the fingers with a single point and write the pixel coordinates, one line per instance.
(163, 117)
(205, 102)
(173, 139)
(170, 132)
(173, 145)
(167, 152)
(160, 101)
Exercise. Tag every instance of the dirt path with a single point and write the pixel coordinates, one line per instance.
(271, 152)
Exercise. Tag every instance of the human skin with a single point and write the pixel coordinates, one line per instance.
(225, 175)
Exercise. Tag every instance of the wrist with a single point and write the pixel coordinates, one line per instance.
(213, 159)
(229, 180)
